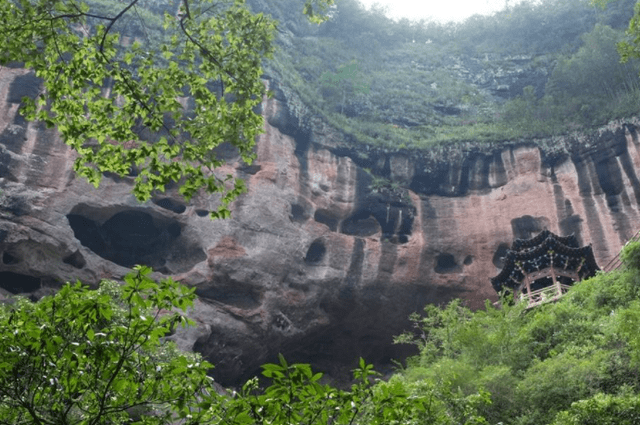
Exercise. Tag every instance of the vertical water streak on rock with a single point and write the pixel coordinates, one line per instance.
(594, 225)
(558, 194)
(387, 263)
(479, 172)
(629, 171)
(398, 222)
(497, 171)
(346, 181)
(352, 279)
(610, 178)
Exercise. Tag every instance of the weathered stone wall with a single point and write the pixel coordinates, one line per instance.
(320, 261)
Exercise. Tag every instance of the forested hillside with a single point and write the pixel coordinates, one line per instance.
(535, 69)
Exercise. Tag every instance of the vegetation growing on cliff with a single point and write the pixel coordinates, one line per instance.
(502, 77)
(573, 362)
(101, 357)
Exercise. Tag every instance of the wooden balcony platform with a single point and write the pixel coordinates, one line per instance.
(544, 295)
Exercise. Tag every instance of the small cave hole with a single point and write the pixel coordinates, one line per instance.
(468, 260)
(233, 294)
(315, 253)
(361, 223)
(251, 169)
(170, 205)
(445, 263)
(325, 217)
(202, 213)
(76, 260)
(298, 214)
(9, 259)
(526, 227)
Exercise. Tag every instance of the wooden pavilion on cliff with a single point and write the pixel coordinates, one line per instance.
(543, 268)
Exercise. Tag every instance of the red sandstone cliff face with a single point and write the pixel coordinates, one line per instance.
(317, 262)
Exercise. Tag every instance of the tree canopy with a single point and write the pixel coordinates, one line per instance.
(123, 99)
(102, 90)
(98, 357)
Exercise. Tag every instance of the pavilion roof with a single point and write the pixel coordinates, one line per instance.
(541, 252)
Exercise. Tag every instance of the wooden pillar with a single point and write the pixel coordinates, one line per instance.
(527, 282)
(556, 283)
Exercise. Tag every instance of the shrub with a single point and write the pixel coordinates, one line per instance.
(630, 255)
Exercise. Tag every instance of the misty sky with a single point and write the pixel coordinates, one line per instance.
(439, 10)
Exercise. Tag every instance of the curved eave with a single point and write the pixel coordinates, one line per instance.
(538, 258)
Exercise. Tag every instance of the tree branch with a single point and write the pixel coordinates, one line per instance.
(113, 21)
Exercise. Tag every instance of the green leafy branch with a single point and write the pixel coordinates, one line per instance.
(206, 44)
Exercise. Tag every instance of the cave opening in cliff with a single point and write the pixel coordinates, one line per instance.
(7, 258)
(446, 263)
(171, 205)
(18, 283)
(131, 237)
(316, 252)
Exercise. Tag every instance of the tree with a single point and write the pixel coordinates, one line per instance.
(345, 81)
(98, 357)
(118, 103)
(316, 10)
(628, 49)
(595, 69)
(76, 51)
(101, 357)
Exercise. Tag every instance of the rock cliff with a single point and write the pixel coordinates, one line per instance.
(332, 247)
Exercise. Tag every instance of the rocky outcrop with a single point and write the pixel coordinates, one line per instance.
(332, 247)
(501, 76)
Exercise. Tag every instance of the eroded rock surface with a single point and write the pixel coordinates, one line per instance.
(323, 261)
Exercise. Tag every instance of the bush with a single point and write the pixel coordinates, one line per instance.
(602, 409)
(630, 255)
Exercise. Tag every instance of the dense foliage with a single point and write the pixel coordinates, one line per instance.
(573, 362)
(96, 357)
(116, 99)
(429, 82)
(102, 357)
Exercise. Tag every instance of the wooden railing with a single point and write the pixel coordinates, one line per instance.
(545, 295)
(615, 263)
